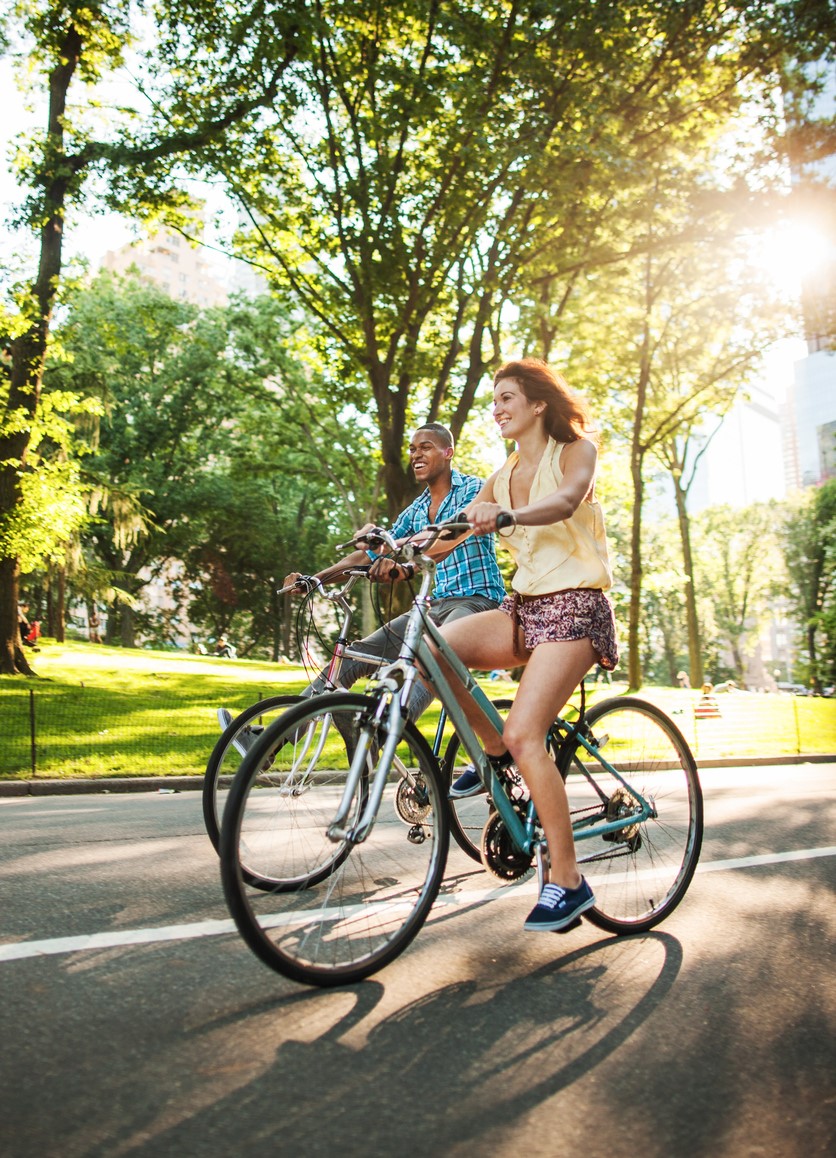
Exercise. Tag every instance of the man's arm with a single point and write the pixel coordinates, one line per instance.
(335, 571)
(441, 548)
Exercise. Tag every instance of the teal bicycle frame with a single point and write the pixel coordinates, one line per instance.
(392, 686)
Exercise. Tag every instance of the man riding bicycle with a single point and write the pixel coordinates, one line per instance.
(467, 579)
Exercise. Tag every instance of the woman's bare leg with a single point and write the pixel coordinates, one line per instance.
(482, 642)
(553, 671)
(552, 674)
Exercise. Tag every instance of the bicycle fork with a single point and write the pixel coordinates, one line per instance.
(338, 830)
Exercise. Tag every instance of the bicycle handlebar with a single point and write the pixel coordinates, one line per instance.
(457, 524)
(308, 583)
(376, 537)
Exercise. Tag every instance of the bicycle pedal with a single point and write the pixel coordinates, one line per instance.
(568, 928)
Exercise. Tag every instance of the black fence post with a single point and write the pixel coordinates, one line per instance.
(32, 731)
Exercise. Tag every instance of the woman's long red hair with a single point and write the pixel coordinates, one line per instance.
(566, 418)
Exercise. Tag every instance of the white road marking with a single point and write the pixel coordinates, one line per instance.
(18, 951)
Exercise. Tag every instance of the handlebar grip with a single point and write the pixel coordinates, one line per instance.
(452, 527)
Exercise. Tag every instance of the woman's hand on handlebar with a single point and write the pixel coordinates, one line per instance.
(487, 517)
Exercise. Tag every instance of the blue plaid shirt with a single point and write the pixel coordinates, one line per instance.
(469, 570)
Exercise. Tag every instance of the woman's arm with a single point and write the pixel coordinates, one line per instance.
(578, 463)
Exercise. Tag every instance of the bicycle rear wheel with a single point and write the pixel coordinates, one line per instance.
(640, 873)
(229, 751)
(328, 913)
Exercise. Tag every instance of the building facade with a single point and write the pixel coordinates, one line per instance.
(174, 264)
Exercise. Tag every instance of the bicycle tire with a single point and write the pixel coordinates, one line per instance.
(225, 759)
(640, 874)
(351, 907)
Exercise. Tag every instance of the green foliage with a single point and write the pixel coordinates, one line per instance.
(737, 561)
(665, 641)
(445, 158)
(431, 181)
(216, 464)
(51, 507)
(808, 538)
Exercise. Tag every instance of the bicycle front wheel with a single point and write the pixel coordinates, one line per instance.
(233, 744)
(324, 912)
(641, 872)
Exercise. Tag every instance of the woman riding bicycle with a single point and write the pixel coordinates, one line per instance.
(559, 623)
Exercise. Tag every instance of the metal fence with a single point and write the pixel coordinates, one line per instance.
(89, 731)
(60, 731)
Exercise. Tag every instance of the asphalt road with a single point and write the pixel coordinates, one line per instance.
(133, 1022)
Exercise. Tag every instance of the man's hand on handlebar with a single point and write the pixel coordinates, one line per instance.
(386, 570)
(297, 582)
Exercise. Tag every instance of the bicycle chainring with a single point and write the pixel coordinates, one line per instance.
(500, 856)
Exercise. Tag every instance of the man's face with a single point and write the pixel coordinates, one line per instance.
(428, 456)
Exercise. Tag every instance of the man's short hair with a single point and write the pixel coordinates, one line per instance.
(441, 432)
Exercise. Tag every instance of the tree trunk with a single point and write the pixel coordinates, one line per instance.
(634, 665)
(669, 652)
(112, 624)
(61, 605)
(812, 655)
(637, 454)
(127, 626)
(28, 350)
(286, 622)
(692, 620)
(50, 606)
(12, 659)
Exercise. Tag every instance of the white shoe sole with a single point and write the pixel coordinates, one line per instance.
(560, 922)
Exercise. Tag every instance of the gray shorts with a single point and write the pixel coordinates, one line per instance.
(386, 643)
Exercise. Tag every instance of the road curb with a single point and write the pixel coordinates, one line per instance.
(105, 785)
(195, 783)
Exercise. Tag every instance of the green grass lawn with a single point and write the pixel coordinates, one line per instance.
(106, 712)
(102, 711)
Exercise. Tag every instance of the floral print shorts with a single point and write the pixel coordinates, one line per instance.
(582, 613)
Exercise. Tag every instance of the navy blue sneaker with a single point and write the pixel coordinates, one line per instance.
(559, 907)
(468, 784)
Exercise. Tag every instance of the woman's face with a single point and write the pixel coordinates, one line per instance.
(512, 411)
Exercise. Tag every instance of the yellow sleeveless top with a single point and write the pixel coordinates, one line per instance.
(559, 556)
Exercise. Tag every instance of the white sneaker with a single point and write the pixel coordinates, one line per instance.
(245, 738)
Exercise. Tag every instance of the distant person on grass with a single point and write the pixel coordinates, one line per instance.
(30, 631)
